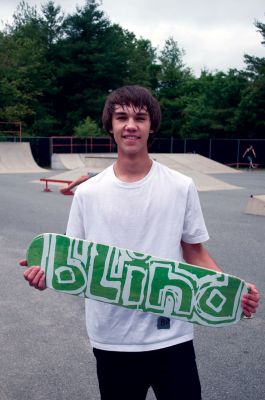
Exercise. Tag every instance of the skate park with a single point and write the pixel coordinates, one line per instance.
(45, 349)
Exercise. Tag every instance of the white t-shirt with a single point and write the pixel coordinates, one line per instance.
(149, 216)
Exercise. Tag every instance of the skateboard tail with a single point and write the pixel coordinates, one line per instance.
(35, 251)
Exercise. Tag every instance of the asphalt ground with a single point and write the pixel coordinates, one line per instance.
(45, 353)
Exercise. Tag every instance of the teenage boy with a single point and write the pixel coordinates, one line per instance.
(144, 206)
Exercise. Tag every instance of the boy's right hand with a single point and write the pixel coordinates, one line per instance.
(34, 275)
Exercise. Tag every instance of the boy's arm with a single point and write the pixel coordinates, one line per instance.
(196, 254)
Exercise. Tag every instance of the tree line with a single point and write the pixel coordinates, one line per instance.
(56, 70)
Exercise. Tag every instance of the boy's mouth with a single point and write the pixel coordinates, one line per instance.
(130, 137)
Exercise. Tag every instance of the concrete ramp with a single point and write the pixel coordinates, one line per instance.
(96, 162)
(67, 161)
(93, 162)
(202, 180)
(206, 183)
(195, 162)
(256, 205)
(17, 158)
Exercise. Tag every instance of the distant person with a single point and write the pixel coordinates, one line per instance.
(250, 153)
(76, 182)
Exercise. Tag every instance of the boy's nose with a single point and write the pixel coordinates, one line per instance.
(131, 124)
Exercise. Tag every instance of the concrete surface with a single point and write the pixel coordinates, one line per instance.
(45, 353)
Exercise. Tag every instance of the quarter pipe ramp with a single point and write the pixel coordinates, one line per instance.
(17, 158)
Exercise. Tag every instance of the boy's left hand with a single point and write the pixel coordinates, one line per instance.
(250, 300)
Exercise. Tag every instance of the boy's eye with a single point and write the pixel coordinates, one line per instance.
(124, 117)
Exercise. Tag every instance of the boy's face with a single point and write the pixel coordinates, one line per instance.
(131, 128)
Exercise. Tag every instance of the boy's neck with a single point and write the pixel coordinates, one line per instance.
(132, 168)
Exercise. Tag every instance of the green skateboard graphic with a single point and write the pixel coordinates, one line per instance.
(138, 281)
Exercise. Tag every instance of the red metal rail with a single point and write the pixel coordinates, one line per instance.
(47, 189)
(90, 143)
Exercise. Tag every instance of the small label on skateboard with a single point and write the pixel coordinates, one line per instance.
(163, 323)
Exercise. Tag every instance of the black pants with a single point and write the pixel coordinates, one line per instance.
(171, 372)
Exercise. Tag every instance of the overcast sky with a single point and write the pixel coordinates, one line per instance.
(215, 34)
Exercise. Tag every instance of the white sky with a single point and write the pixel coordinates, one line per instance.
(215, 34)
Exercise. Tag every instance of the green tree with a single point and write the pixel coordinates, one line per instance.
(211, 110)
(250, 116)
(57, 70)
(141, 62)
(173, 78)
(26, 78)
(86, 128)
(89, 61)
(20, 63)
(51, 22)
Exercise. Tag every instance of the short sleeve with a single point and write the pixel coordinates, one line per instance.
(194, 228)
(75, 226)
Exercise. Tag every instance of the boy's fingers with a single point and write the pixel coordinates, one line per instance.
(42, 283)
(249, 308)
(252, 288)
(250, 300)
(23, 263)
(31, 272)
(35, 277)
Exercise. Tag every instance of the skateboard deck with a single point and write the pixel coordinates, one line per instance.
(138, 281)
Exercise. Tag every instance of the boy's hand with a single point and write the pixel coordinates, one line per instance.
(250, 300)
(34, 275)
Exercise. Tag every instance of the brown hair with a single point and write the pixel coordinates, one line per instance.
(136, 96)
